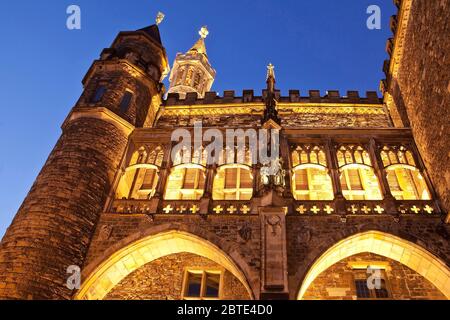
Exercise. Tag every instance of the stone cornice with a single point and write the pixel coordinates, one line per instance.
(101, 114)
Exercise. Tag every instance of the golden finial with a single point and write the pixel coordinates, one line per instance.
(203, 32)
(270, 71)
(159, 18)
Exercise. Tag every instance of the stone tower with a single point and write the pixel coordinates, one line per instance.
(54, 226)
(192, 71)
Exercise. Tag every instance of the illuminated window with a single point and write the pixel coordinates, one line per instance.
(141, 176)
(233, 182)
(202, 285)
(180, 75)
(99, 93)
(358, 179)
(198, 79)
(405, 180)
(187, 177)
(368, 287)
(186, 182)
(310, 180)
(126, 101)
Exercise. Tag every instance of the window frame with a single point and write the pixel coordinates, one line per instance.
(360, 274)
(237, 190)
(204, 272)
(95, 98)
(127, 93)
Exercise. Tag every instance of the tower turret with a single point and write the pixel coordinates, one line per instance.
(192, 71)
(53, 228)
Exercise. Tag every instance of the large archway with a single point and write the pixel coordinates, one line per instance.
(389, 246)
(127, 260)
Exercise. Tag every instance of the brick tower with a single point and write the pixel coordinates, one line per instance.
(53, 227)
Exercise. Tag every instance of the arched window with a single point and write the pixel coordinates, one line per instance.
(358, 179)
(180, 75)
(233, 182)
(310, 179)
(405, 180)
(141, 176)
(234, 178)
(187, 176)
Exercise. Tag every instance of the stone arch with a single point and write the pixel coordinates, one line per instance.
(115, 265)
(413, 256)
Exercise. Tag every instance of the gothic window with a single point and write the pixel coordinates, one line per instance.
(358, 179)
(99, 93)
(234, 178)
(197, 79)
(310, 179)
(126, 101)
(233, 182)
(405, 180)
(187, 177)
(202, 285)
(189, 76)
(180, 75)
(141, 176)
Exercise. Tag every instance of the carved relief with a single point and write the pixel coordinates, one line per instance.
(105, 232)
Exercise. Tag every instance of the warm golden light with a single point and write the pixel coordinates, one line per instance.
(129, 259)
(233, 182)
(386, 245)
(185, 182)
(312, 182)
(359, 182)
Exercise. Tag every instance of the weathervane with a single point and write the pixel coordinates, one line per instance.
(203, 32)
(159, 18)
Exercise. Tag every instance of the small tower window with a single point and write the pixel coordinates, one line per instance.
(99, 93)
(126, 101)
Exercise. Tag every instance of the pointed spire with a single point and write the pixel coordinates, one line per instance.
(271, 113)
(200, 46)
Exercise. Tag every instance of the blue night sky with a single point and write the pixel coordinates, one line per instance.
(321, 44)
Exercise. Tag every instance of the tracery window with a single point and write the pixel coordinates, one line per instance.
(310, 179)
(180, 76)
(187, 176)
(405, 180)
(141, 176)
(358, 179)
(234, 178)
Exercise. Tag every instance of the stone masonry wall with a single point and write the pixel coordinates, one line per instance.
(337, 282)
(53, 227)
(162, 279)
(308, 238)
(424, 87)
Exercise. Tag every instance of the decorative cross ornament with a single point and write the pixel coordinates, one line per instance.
(182, 209)
(378, 209)
(353, 209)
(415, 210)
(301, 209)
(428, 209)
(315, 210)
(328, 209)
(159, 18)
(204, 32)
(245, 209)
(231, 209)
(168, 209)
(194, 209)
(366, 210)
(218, 209)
